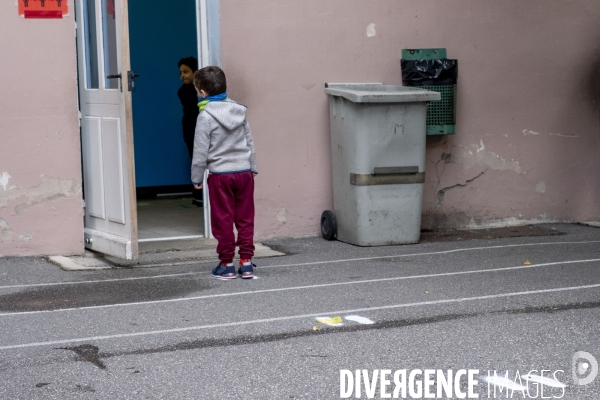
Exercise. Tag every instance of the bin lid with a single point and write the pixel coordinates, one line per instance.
(378, 93)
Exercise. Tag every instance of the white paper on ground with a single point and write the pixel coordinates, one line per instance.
(359, 319)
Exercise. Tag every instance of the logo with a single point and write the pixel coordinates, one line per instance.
(584, 364)
(417, 384)
(466, 383)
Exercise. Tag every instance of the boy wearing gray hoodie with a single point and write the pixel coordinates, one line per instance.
(223, 145)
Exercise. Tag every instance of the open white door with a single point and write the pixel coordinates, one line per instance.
(105, 84)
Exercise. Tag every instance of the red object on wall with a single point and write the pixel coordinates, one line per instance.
(43, 8)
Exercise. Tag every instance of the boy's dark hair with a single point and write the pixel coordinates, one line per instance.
(190, 62)
(210, 79)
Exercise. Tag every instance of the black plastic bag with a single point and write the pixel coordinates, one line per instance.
(429, 72)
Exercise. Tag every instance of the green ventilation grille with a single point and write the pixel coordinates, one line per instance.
(441, 115)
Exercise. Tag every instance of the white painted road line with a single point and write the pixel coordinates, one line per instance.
(293, 317)
(427, 254)
(101, 281)
(433, 253)
(315, 263)
(284, 289)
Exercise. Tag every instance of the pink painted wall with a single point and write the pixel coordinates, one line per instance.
(40, 172)
(528, 142)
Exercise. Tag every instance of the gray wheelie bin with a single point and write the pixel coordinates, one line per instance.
(378, 160)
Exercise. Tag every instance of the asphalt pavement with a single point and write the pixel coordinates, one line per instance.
(514, 305)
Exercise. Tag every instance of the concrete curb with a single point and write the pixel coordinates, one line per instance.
(79, 263)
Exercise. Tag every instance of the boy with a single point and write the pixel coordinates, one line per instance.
(223, 144)
(189, 100)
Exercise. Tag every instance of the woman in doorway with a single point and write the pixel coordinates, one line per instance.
(189, 100)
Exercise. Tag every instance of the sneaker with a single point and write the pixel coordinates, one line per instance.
(246, 269)
(224, 272)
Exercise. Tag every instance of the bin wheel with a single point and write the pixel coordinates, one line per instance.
(328, 225)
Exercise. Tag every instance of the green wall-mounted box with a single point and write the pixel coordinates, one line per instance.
(441, 115)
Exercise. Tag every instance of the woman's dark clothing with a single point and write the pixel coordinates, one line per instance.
(189, 100)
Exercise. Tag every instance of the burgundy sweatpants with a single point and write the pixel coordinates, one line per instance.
(232, 202)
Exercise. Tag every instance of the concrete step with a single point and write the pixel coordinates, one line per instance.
(156, 254)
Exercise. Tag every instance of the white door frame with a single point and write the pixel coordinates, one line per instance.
(209, 39)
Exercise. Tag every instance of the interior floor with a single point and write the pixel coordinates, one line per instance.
(169, 217)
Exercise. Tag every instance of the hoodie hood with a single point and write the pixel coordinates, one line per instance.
(229, 114)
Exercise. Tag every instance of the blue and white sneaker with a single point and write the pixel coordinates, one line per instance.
(246, 269)
(224, 271)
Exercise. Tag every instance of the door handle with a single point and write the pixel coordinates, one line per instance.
(131, 80)
(116, 76)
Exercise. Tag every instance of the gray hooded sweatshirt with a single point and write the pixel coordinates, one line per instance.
(223, 141)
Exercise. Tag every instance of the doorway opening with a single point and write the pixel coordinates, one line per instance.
(159, 37)
(136, 166)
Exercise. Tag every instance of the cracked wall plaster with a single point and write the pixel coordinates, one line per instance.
(6, 233)
(540, 187)
(480, 148)
(510, 221)
(48, 190)
(442, 192)
(467, 159)
(4, 178)
(527, 132)
(371, 30)
(565, 136)
(28, 237)
(281, 215)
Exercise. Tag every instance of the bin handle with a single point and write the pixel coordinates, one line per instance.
(395, 170)
(388, 179)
